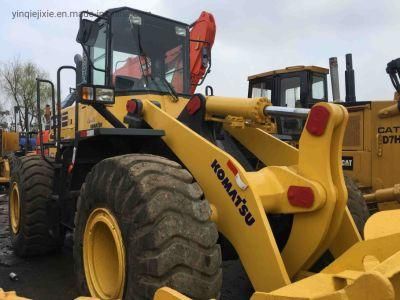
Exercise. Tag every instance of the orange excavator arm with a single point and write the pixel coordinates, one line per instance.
(202, 35)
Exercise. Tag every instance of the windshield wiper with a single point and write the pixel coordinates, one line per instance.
(141, 53)
(168, 85)
(170, 88)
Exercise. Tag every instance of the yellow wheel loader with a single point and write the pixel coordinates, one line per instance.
(150, 179)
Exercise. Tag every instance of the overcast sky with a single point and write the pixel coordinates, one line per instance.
(252, 37)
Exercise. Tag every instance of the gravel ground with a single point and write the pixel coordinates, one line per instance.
(52, 277)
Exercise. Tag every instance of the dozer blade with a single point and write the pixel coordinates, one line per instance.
(370, 269)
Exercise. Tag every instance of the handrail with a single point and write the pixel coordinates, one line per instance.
(58, 136)
(39, 117)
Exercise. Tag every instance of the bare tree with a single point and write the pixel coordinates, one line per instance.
(4, 119)
(18, 82)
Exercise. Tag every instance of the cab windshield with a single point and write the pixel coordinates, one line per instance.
(148, 53)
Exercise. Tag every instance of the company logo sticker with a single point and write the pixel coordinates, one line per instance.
(238, 200)
(347, 163)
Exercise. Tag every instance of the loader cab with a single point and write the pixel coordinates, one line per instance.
(297, 87)
(134, 51)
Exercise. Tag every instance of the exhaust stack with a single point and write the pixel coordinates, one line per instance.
(349, 79)
(333, 66)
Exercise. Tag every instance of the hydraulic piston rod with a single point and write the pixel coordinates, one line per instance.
(278, 111)
(255, 109)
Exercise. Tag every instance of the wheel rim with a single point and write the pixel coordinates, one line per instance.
(104, 255)
(15, 208)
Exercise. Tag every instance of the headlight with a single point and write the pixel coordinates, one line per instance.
(180, 31)
(104, 95)
(99, 94)
(135, 19)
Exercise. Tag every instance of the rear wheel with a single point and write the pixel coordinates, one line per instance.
(141, 224)
(30, 188)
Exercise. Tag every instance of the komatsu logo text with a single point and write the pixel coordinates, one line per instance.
(237, 200)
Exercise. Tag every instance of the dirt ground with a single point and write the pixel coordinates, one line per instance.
(52, 277)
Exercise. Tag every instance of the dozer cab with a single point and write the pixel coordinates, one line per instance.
(151, 179)
(371, 143)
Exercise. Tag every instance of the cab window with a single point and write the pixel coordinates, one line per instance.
(98, 56)
(290, 92)
(262, 89)
(318, 87)
(149, 54)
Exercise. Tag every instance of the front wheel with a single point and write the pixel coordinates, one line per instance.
(142, 224)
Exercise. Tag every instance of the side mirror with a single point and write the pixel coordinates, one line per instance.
(78, 65)
(88, 32)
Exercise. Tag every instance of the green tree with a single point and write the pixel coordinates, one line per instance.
(18, 83)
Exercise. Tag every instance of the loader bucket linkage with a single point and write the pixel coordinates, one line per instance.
(361, 268)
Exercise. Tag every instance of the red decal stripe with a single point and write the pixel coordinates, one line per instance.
(232, 167)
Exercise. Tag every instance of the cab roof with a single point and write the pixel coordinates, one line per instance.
(290, 70)
(118, 9)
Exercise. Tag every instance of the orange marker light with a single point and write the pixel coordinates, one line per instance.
(87, 93)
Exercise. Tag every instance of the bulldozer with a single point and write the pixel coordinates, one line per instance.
(371, 141)
(151, 178)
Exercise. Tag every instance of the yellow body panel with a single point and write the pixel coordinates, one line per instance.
(11, 295)
(89, 118)
(373, 141)
(268, 149)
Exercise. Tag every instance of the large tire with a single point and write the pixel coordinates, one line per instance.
(31, 182)
(164, 223)
(356, 204)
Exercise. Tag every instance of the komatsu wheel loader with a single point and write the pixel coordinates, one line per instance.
(148, 177)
